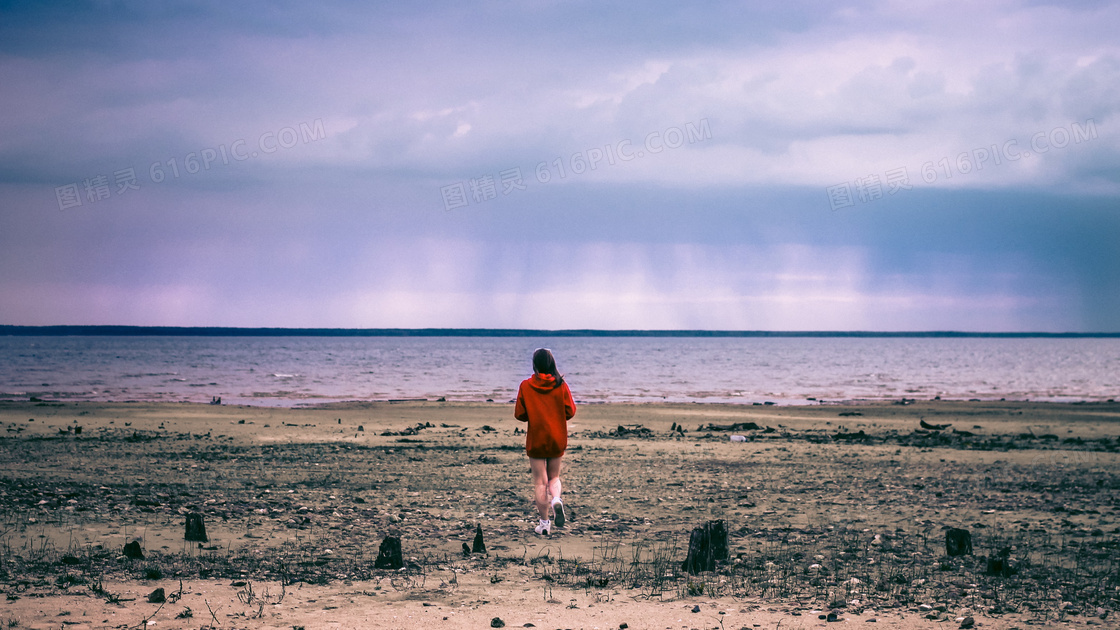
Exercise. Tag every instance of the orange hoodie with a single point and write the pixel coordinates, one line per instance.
(547, 408)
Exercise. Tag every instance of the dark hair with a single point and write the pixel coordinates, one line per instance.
(545, 363)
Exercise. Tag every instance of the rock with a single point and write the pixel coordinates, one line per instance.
(157, 596)
(833, 615)
(479, 545)
(497, 622)
(958, 542)
(132, 551)
(466, 550)
(696, 608)
(195, 528)
(389, 555)
(967, 622)
(707, 545)
(623, 626)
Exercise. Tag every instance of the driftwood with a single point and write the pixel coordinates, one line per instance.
(738, 426)
(706, 546)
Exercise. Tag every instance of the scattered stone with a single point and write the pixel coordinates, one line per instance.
(696, 608)
(389, 555)
(466, 550)
(132, 551)
(958, 542)
(479, 545)
(933, 427)
(858, 435)
(833, 615)
(497, 622)
(967, 622)
(157, 596)
(196, 528)
(623, 626)
(707, 545)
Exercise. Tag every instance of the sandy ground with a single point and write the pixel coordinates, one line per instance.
(828, 507)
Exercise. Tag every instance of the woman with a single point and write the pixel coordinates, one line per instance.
(545, 402)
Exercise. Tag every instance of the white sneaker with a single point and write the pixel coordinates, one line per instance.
(558, 512)
(543, 527)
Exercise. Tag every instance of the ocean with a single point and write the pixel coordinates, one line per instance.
(298, 371)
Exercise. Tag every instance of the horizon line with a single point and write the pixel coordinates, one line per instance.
(235, 331)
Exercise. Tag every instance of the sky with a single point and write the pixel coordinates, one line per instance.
(880, 165)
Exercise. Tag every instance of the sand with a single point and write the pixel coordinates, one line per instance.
(828, 507)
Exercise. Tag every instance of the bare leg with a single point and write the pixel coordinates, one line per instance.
(539, 468)
(554, 487)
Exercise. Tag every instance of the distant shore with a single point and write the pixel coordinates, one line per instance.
(224, 331)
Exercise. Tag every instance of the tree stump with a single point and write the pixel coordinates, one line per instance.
(1000, 564)
(706, 546)
(479, 545)
(389, 555)
(196, 529)
(958, 542)
(132, 551)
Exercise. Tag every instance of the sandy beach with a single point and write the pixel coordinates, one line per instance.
(829, 508)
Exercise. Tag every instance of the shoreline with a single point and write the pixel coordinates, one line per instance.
(311, 403)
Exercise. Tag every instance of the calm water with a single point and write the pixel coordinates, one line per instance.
(290, 371)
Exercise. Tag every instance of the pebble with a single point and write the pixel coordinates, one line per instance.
(696, 609)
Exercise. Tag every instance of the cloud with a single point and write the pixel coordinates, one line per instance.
(771, 105)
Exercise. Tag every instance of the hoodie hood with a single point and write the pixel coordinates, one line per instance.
(543, 383)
